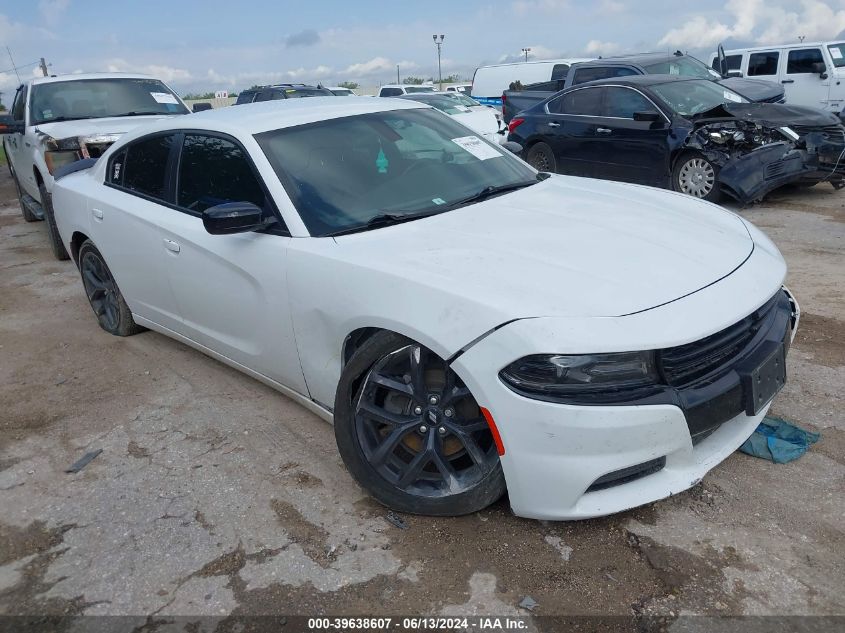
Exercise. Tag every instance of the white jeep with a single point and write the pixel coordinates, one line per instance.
(55, 121)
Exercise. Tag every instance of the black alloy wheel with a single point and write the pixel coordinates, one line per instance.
(113, 314)
(413, 435)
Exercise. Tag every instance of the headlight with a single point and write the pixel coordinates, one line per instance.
(580, 377)
(55, 160)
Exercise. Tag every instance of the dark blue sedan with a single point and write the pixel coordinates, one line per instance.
(689, 135)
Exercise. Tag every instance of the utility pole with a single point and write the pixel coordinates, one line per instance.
(439, 69)
(43, 65)
(13, 65)
(397, 74)
(801, 38)
(525, 52)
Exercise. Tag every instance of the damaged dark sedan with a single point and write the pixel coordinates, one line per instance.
(685, 134)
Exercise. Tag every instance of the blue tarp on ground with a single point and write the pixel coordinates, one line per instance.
(778, 441)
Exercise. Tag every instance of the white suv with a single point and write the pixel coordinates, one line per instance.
(55, 121)
(395, 90)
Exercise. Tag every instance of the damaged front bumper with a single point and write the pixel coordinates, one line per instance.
(749, 177)
(825, 159)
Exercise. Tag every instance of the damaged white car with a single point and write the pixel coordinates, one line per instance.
(58, 120)
(470, 325)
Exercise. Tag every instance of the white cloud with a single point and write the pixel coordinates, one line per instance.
(52, 11)
(597, 47)
(759, 22)
(159, 71)
(376, 66)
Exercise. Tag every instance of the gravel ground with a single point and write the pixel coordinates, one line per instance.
(215, 495)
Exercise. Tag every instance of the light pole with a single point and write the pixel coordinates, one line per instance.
(525, 52)
(438, 44)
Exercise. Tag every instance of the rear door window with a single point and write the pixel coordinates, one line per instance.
(802, 60)
(584, 75)
(145, 169)
(760, 64)
(583, 102)
(621, 103)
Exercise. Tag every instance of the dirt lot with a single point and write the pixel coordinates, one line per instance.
(216, 495)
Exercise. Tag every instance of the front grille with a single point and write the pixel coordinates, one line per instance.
(685, 364)
(775, 169)
(833, 133)
(95, 150)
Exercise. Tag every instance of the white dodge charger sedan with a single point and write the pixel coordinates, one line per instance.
(470, 326)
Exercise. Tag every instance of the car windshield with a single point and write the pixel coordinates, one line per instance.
(837, 54)
(343, 173)
(342, 92)
(99, 98)
(464, 100)
(693, 97)
(683, 67)
(413, 89)
(444, 103)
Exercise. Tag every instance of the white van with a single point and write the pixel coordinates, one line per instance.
(811, 73)
(489, 82)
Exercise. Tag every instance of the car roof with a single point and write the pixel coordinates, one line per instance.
(283, 87)
(774, 47)
(407, 86)
(573, 60)
(253, 118)
(82, 76)
(636, 58)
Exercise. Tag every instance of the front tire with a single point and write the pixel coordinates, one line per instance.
(411, 433)
(696, 176)
(541, 157)
(113, 314)
(59, 250)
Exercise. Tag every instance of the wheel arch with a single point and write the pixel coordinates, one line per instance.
(76, 240)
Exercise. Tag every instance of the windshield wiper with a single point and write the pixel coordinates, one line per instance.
(60, 119)
(495, 190)
(139, 113)
(384, 219)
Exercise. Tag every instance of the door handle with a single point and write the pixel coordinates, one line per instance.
(602, 130)
(787, 81)
(553, 124)
(171, 246)
(97, 214)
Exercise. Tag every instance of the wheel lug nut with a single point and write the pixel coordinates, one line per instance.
(417, 410)
(442, 430)
(432, 400)
(448, 413)
(423, 429)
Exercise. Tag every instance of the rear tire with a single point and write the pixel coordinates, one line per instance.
(59, 250)
(696, 176)
(25, 212)
(410, 432)
(113, 314)
(541, 157)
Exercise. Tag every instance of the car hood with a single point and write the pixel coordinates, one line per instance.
(563, 247)
(771, 114)
(754, 89)
(95, 127)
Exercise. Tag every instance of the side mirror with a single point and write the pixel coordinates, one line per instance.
(199, 107)
(734, 73)
(8, 125)
(647, 116)
(232, 217)
(821, 69)
(511, 146)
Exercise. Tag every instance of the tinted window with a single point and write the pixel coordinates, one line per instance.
(391, 92)
(214, 170)
(146, 166)
(245, 97)
(584, 75)
(801, 61)
(763, 64)
(18, 107)
(623, 102)
(733, 62)
(340, 173)
(683, 67)
(265, 95)
(559, 71)
(586, 101)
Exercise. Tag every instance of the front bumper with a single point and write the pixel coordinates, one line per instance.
(556, 454)
(750, 177)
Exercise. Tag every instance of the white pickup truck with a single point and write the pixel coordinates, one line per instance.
(55, 121)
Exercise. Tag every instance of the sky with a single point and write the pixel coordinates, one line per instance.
(229, 45)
